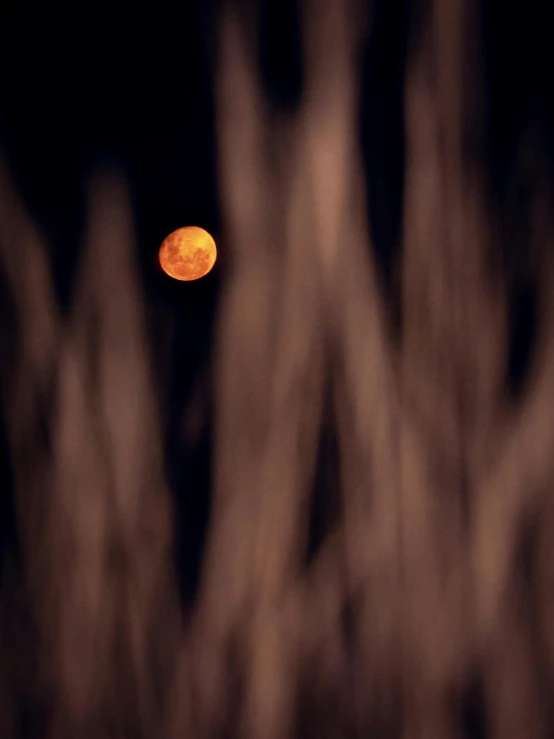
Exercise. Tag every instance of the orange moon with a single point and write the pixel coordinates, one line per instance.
(188, 253)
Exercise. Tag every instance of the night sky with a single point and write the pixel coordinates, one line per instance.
(91, 87)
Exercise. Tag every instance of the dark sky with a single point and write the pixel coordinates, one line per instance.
(90, 86)
(132, 87)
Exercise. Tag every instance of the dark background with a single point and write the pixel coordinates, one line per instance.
(90, 86)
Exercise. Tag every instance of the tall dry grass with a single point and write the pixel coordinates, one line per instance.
(416, 600)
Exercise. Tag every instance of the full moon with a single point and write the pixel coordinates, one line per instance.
(188, 253)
